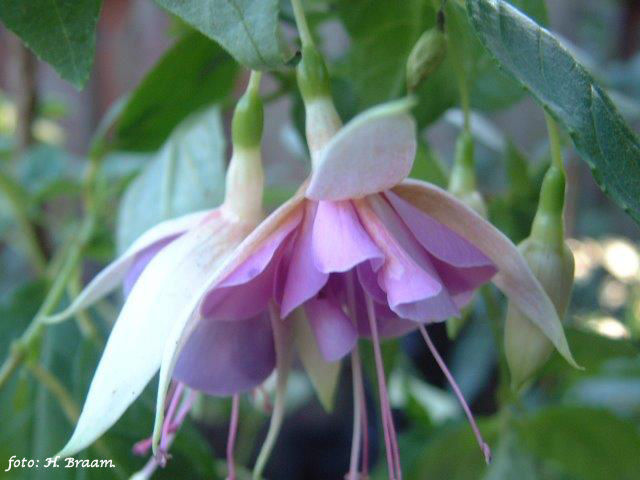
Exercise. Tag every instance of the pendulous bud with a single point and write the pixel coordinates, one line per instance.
(322, 121)
(426, 56)
(551, 261)
(245, 176)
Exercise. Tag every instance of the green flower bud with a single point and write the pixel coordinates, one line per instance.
(312, 75)
(551, 261)
(247, 123)
(426, 56)
(462, 183)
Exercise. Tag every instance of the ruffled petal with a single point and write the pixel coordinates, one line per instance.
(134, 349)
(339, 240)
(440, 241)
(514, 277)
(225, 358)
(112, 275)
(247, 290)
(372, 153)
(303, 279)
(390, 325)
(412, 284)
(334, 331)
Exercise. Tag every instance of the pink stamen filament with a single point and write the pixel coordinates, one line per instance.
(393, 456)
(356, 437)
(486, 450)
(233, 432)
(360, 435)
(171, 427)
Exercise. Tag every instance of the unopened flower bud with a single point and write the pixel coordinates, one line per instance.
(551, 261)
(312, 74)
(245, 176)
(322, 121)
(462, 183)
(426, 56)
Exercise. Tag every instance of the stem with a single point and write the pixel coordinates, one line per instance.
(17, 204)
(21, 346)
(57, 390)
(85, 324)
(282, 338)
(301, 22)
(254, 80)
(554, 142)
(26, 93)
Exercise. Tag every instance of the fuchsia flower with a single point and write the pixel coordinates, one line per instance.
(366, 252)
(164, 274)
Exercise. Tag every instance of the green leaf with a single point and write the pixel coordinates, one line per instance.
(590, 443)
(60, 32)
(193, 73)
(453, 453)
(382, 34)
(563, 86)
(427, 166)
(247, 29)
(186, 174)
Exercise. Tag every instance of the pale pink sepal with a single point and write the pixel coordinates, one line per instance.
(134, 349)
(371, 153)
(112, 275)
(514, 277)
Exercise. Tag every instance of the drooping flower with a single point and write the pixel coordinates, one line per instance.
(164, 274)
(362, 250)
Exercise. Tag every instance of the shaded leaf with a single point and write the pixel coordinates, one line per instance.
(535, 58)
(60, 32)
(193, 73)
(186, 174)
(247, 29)
(590, 443)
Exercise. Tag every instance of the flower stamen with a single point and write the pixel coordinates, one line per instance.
(390, 437)
(458, 393)
(231, 440)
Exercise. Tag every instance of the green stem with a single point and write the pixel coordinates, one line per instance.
(21, 347)
(57, 390)
(85, 324)
(554, 142)
(301, 22)
(17, 204)
(254, 81)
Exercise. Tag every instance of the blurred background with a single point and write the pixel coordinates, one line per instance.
(570, 424)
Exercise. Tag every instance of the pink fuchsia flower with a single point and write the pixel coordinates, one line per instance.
(364, 251)
(165, 274)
